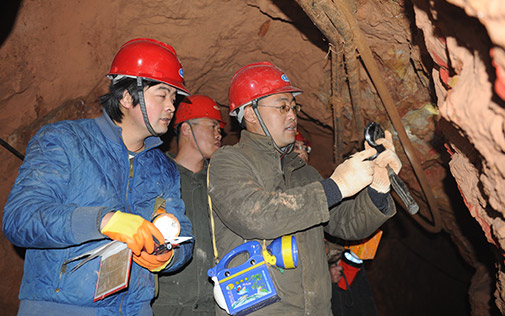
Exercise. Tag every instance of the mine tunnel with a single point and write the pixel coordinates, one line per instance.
(431, 72)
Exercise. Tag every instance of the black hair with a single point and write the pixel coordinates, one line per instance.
(110, 101)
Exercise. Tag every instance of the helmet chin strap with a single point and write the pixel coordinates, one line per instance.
(194, 138)
(282, 150)
(140, 92)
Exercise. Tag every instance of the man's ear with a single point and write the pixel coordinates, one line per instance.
(185, 130)
(249, 115)
(127, 100)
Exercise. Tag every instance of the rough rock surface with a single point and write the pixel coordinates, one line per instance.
(466, 42)
(444, 63)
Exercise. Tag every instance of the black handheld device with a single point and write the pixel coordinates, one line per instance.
(373, 132)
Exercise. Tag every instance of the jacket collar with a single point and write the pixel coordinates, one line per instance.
(258, 142)
(264, 143)
(113, 132)
(184, 169)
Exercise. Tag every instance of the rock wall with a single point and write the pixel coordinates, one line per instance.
(466, 40)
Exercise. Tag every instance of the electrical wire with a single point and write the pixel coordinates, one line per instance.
(12, 149)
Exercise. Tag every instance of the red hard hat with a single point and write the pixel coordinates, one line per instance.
(150, 59)
(256, 81)
(198, 106)
(300, 137)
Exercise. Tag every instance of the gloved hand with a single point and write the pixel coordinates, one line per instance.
(170, 227)
(154, 263)
(388, 157)
(355, 173)
(381, 181)
(133, 230)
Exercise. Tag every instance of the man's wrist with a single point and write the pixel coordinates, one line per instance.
(380, 200)
(105, 219)
(332, 191)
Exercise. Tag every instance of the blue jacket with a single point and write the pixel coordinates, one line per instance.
(74, 173)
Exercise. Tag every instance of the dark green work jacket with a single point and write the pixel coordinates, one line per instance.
(257, 197)
(189, 291)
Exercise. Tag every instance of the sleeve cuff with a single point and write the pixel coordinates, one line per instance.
(86, 223)
(332, 192)
(380, 200)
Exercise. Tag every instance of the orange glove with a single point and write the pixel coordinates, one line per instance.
(158, 212)
(133, 230)
(154, 263)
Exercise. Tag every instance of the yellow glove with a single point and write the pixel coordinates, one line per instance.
(381, 181)
(355, 173)
(154, 263)
(133, 230)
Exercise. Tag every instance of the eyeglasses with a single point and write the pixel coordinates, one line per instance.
(284, 109)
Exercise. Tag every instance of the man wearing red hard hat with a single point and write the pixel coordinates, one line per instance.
(260, 190)
(198, 124)
(84, 183)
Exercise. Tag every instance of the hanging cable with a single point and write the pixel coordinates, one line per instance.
(369, 62)
(332, 16)
(12, 149)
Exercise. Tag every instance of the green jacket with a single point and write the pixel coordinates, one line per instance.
(257, 197)
(189, 291)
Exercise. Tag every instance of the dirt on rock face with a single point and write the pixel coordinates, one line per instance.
(443, 62)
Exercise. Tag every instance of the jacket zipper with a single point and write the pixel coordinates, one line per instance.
(63, 270)
(121, 304)
(130, 179)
